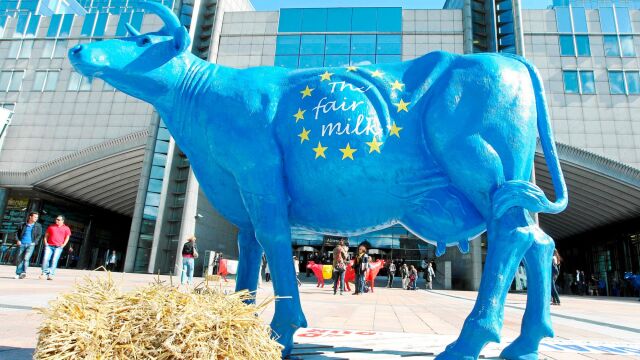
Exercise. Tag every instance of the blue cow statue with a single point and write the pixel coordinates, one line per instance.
(443, 144)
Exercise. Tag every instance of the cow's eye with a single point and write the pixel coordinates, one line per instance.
(144, 41)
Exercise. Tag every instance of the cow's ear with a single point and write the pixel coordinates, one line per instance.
(181, 39)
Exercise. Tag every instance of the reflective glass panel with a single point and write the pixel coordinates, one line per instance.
(85, 84)
(338, 44)
(14, 49)
(314, 20)
(121, 30)
(363, 59)
(101, 24)
(566, 45)
(390, 19)
(624, 21)
(61, 49)
(339, 19)
(52, 81)
(287, 45)
(25, 49)
(311, 61)
(16, 81)
(155, 185)
(74, 81)
(288, 61)
(587, 82)
(47, 50)
(150, 213)
(162, 147)
(616, 82)
(611, 45)
(290, 20)
(311, 44)
(5, 77)
(363, 44)
(336, 60)
(157, 172)
(3, 23)
(67, 22)
(389, 44)
(563, 19)
(21, 26)
(633, 82)
(579, 20)
(626, 43)
(54, 25)
(153, 199)
(163, 134)
(570, 82)
(384, 59)
(159, 159)
(34, 21)
(582, 44)
(364, 19)
(136, 19)
(607, 21)
(38, 80)
(87, 25)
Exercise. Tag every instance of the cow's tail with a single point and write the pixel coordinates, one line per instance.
(524, 193)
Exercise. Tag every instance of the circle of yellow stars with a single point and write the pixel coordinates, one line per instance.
(348, 152)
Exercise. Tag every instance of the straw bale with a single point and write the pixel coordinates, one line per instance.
(97, 321)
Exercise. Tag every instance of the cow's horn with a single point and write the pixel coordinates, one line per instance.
(131, 30)
(168, 17)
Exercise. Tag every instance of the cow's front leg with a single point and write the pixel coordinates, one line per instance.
(536, 323)
(508, 239)
(250, 260)
(268, 212)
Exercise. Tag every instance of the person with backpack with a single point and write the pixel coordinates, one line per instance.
(339, 266)
(360, 266)
(413, 276)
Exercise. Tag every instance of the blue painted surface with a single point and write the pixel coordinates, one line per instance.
(443, 144)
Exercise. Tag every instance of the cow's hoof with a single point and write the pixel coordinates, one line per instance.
(456, 352)
(520, 350)
(283, 332)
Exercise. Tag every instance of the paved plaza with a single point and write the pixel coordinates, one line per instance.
(386, 324)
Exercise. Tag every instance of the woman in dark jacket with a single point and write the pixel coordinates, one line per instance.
(189, 253)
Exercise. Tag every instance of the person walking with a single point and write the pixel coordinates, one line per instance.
(413, 277)
(555, 272)
(404, 272)
(391, 272)
(339, 266)
(189, 254)
(296, 266)
(429, 274)
(360, 266)
(55, 239)
(27, 236)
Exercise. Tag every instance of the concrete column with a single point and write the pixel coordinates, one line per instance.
(467, 23)
(188, 224)
(136, 221)
(475, 250)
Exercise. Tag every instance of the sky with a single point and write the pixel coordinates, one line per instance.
(407, 4)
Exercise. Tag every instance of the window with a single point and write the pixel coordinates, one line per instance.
(121, 30)
(338, 44)
(363, 44)
(67, 22)
(566, 45)
(89, 23)
(311, 61)
(336, 60)
(579, 82)
(616, 82)
(45, 80)
(20, 49)
(389, 44)
(287, 45)
(312, 44)
(383, 59)
(624, 82)
(563, 20)
(54, 25)
(363, 59)
(364, 19)
(290, 20)
(626, 44)
(55, 49)
(624, 20)
(288, 61)
(136, 20)
(339, 19)
(607, 20)
(3, 24)
(582, 44)
(314, 20)
(78, 82)
(390, 19)
(579, 20)
(101, 24)
(611, 45)
(11, 80)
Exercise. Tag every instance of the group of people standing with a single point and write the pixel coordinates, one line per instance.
(28, 236)
(409, 274)
(340, 263)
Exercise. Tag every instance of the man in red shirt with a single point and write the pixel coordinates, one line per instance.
(55, 239)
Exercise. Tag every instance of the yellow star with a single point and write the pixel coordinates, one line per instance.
(352, 68)
(374, 145)
(320, 150)
(377, 73)
(326, 76)
(299, 115)
(394, 130)
(348, 152)
(304, 135)
(402, 106)
(397, 85)
(306, 92)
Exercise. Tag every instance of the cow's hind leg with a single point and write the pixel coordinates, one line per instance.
(509, 237)
(249, 262)
(536, 323)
